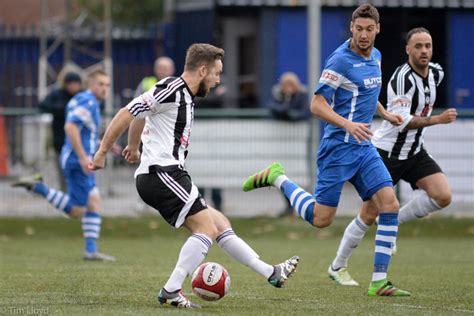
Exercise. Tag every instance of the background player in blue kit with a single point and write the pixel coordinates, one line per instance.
(82, 199)
(346, 98)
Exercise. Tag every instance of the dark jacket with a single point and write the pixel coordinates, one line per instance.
(55, 103)
(289, 108)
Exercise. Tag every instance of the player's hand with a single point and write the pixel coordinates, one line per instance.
(448, 116)
(394, 118)
(360, 131)
(98, 162)
(85, 165)
(131, 155)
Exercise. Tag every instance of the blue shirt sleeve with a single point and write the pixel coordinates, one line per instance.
(78, 112)
(332, 77)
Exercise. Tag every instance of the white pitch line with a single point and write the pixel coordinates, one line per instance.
(436, 308)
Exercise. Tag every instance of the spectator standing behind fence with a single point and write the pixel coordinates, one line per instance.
(55, 103)
(289, 103)
(289, 99)
(164, 67)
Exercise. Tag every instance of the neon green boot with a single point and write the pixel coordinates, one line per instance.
(385, 288)
(264, 178)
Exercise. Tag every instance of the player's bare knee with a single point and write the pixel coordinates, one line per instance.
(77, 212)
(390, 205)
(443, 199)
(322, 222)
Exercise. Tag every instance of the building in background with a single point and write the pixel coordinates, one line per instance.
(265, 38)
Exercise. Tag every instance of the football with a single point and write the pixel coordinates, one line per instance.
(210, 281)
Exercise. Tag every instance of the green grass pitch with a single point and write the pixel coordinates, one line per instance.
(41, 269)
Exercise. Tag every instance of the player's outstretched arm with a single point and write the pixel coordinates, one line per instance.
(119, 124)
(321, 108)
(131, 152)
(448, 116)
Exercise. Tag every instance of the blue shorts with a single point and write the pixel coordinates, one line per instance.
(79, 184)
(339, 162)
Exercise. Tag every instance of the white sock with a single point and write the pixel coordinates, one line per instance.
(419, 206)
(279, 181)
(243, 253)
(353, 235)
(192, 254)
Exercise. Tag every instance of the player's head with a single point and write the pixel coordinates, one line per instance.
(290, 83)
(72, 83)
(364, 27)
(419, 47)
(98, 82)
(164, 67)
(205, 62)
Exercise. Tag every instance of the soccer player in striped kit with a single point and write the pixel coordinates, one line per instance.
(163, 117)
(346, 98)
(82, 199)
(412, 94)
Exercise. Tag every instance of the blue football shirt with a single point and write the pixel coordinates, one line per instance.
(351, 85)
(84, 111)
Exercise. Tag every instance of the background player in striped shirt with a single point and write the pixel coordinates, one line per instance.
(346, 98)
(82, 199)
(412, 94)
(165, 114)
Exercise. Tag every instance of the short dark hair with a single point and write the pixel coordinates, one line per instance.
(72, 77)
(415, 31)
(366, 11)
(202, 54)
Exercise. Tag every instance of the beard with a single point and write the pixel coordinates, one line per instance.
(420, 64)
(364, 49)
(202, 90)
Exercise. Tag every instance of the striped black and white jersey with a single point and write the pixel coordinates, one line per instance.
(168, 109)
(409, 95)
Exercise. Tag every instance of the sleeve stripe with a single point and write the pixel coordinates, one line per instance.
(139, 109)
(134, 106)
(328, 83)
(331, 78)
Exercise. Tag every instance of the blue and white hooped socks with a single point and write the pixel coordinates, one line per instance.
(91, 222)
(385, 237)
(300, 200)
(58, 199)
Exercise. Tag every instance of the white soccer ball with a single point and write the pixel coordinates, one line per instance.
(210, 281)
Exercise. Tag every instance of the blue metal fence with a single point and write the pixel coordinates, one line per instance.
(19, 55)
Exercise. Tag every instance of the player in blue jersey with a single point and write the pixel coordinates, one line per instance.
(346, 98)
(82, 199)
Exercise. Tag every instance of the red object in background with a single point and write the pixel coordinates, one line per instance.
(3, 148)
